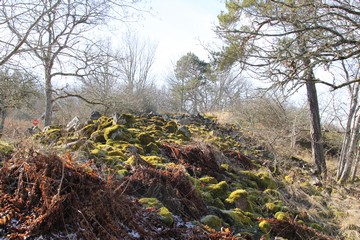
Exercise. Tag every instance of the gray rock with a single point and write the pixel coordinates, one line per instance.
(184, 131)
(95, 115)
(73, 125)
(117, 119)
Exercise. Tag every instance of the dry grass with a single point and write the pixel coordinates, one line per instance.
(15, 129)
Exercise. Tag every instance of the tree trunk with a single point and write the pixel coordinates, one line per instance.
(317, 145)
(2, 120)
(356, 165)
(350, 154)
(48, 97)
(315, 127)
(350, 137)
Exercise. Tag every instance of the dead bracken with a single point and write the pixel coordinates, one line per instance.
(45, 195)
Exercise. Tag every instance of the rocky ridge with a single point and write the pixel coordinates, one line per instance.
(158, 177)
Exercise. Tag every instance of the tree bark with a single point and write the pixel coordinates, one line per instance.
(349, 146)
(2, 121)
(351, 151)
(48, 97)
(317, 144)
(356, 165)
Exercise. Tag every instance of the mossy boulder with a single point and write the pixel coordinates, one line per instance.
(218, 190)
(122, 172)
(117, 153)
(239, 218)
(154, 160)
(98, 136)
(265, 226)
(274, 207)
(239, 198)
(212, 221)
(117, 132)
(282, 216)
(5, 150)
(184, 133)
(50, 134)
(150, 202)
(208, 180)
(265, 181)
(171, 127)
(145, 138)
(103, 122)
(151, 148)
(132, 148)
(87, 130)
(99, 152)
(129, 119)
(217, 202)
(166, 216)
(261, 179)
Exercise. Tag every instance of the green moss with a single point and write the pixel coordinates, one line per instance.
(184, 133)
(289, 179)
(131, 161)
(131, 148)
(219, 190)
(5, 150)
(171, 127)
(166, 216)
(151, 148)
(98, 136)
(154, 160)
(266, 181)
(150, 202)
(239, 217)
(218, 203)
(237, 194)
(87, 130)
(129, 119)
(114, 132)
(274, 207)
(50, 135)
(225, 166)
(117, 153)
(99, 152)
(281, 216)
(145, 138)
(316, 226)
(240, 199)
(103, 122)
(262, 179)
(212, 221)
(112, 160)
(272, 193)
(265, 226)
(300, 221)
(208, 180)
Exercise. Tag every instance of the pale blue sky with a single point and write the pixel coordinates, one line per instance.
(179, 26)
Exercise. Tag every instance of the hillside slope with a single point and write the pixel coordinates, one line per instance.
(161, 177)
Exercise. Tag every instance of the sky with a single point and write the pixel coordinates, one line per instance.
(179, 27)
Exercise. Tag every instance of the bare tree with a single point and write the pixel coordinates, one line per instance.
(59, 37)
(101, 82)
(16, 89)
(348, 157)
(135, 60)
(18, 20)
(285, 41)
